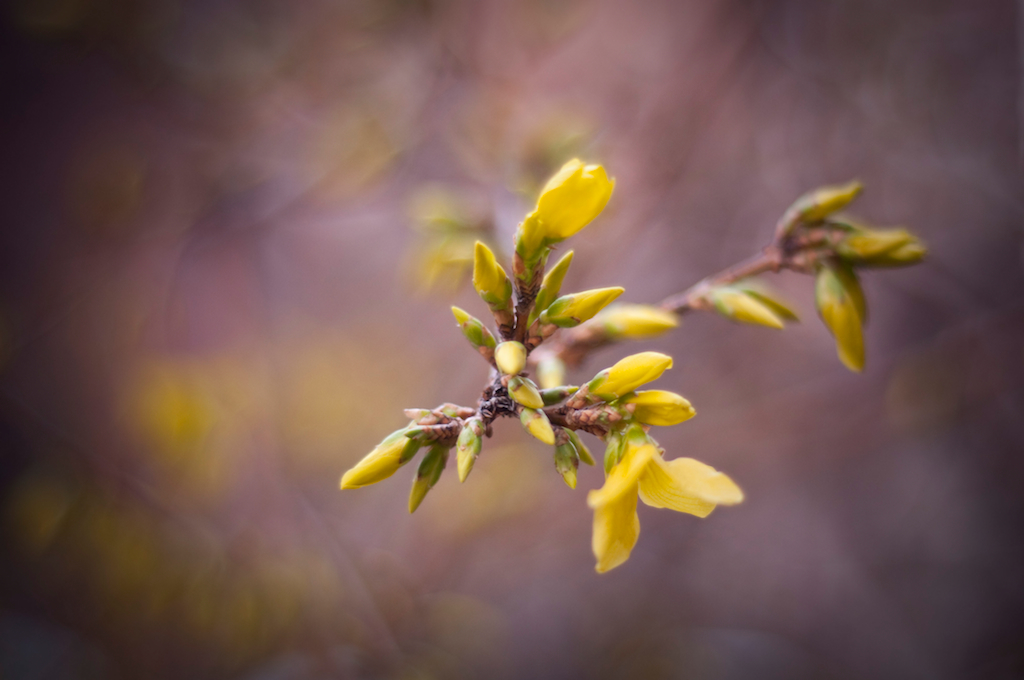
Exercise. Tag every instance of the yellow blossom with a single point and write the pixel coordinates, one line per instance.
(682, 484)
(569, 201)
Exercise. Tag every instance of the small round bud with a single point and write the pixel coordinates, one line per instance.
(510, 357)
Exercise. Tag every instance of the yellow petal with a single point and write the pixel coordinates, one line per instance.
(623, 477)
(686, 485)
(616, 529)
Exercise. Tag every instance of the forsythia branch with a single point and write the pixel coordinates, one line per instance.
(529, 309)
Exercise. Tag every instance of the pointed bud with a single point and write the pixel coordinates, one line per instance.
(634, 322)
(739, 306)
(629, 374)
(567, 462)
(769, 299)
(581, 449)
(427, 475)
(523, 391)
(490, 279)
(615, 447)
(551, 286)
(392, 453)
(474, 329)
(551, 372)
(537, 424)
(658, 407)
(840, 303)
(572, 310)
(820, 203)
(904, 256)
(510, 357)
(864, 244)
(468, 446)
(554, 395)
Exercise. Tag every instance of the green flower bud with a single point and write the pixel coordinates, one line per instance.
(740, 306)
(551, 286)
(566, 463)
(427, 475)
(581, 449)
(468, 446)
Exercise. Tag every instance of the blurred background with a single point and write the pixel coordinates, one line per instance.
(233, 231)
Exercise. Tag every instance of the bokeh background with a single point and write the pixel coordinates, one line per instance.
(231, 235)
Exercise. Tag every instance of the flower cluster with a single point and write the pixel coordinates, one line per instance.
(528, 309)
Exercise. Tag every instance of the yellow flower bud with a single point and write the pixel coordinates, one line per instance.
(740, 306)
(635, 321)
(473, 329)
(840, 303)
(537, 424)
(551, 285)
(551, 372)
(490, 279)
(864, 244)
(392, 453)
(768, 298)
(523, 391)
(572, 310)
(629, 374)
(658, 407)
(510, 357)
(820, 203)
(908, 253)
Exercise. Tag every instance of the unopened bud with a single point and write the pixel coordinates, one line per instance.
(537, 424)
(739, 306)
(490, 279)
(659, 407)
(864, 244)
(566, 463)
(551, 285)
(841, 305)
(635, 322)
(550, 372)
(572, 310)
(429, 472)
(523, 391)
(581, 449)
(474, 329)
(816, 205)
(468, 446)
(392, 453)
(629, 374)
(554, 395)
(510, 357)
